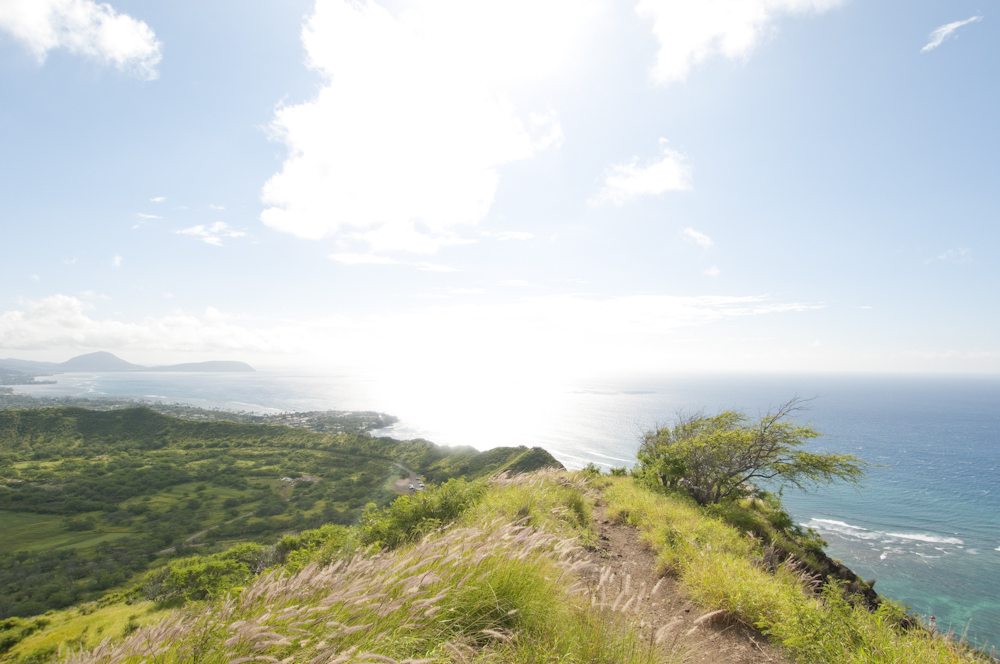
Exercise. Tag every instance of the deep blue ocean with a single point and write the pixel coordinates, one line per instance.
(927, 525)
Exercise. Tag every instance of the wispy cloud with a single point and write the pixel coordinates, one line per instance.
(700, 238)
(519, 283)
(212, 234)
(212, 206)
(69, 261)
(938, 36)
(116, 261)
(712, 271)
(143, 215)
(625, 182)
(962, 255)
(372, 259)
(158, 199)
(510, 235)
(83, 27)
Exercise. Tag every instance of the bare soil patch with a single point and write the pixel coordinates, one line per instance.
(630, 566)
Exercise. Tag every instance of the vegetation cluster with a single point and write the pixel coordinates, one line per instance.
(88, 499)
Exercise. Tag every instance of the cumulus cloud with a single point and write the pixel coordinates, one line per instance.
(938, 36)
(690, 32)
(700, 238)
(626, 182)
(62, 321)
(212, 234)
(539, 329)
(402, 145)
(372, 259)
(83, 27)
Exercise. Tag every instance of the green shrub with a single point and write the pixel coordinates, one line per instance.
(410, 517)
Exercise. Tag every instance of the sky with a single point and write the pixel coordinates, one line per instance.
(520, 187)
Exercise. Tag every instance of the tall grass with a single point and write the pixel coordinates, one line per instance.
(490, 590)
(722, 569)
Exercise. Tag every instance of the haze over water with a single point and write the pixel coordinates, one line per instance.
(927, 526)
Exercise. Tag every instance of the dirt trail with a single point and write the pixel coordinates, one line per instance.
(718, 640)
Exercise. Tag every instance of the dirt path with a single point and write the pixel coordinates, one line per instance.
(630, 565)
(198, 534)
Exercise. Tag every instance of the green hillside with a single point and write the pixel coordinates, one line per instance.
(88, 499)
(500, 569)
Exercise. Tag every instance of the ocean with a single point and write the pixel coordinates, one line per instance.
(926, 525)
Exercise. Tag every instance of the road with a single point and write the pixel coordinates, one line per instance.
(403, 486)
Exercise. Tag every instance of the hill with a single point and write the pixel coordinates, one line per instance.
(106, 491)
(542, 567)
(104, 361)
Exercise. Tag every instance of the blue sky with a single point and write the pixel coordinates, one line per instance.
(585, 186)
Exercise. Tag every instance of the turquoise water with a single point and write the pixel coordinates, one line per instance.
(927, 526)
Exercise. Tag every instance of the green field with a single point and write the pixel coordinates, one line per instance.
(89, 499)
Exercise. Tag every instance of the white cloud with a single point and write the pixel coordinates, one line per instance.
(940, 34)
(700, 238)
(69, 261)
(402, 145)
(545, 331)
(625, 182)
(158, 199)
(142, 215)
(690, 31)
(216, 207)
(466, 291)
(82, 27)
(519, 283)
(514, 235)
(712, 271)
(212, 234)
(61, 321)
(35, 277)
(364, 259)
(116, 261)
(962, 255)
(371, 259)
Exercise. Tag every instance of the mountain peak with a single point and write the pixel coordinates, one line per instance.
(99, 361)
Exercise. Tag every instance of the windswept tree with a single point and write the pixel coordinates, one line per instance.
(713, 457)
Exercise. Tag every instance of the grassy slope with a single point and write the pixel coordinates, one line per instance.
(479, 590)
(140, 482)
(442, 576)
(724, 569)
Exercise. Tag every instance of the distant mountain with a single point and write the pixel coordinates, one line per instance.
(99, 361)
(104, 361)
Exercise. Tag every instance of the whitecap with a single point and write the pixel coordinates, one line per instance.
(842, 528)
(922, 537)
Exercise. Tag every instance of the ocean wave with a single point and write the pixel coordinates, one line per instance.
(922, 537)
(842, 528)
